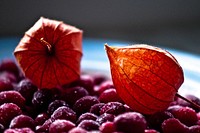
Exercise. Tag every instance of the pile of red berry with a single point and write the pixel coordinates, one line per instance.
(89, 104)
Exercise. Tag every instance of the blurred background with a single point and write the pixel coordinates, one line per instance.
(171, 23)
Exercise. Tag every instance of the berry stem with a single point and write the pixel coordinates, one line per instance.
(46, 44)
(189, 101)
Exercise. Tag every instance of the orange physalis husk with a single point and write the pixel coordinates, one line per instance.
(50, 53)
(147, 78)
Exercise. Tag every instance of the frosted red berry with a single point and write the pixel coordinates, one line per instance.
(10, 66)
(78, 130)
(7, 112)
(9, 76)
(130, 122)
(86, 81)
(96, 108)
(64, 113)
(41, 118)
(54, 105)
(89, 125)
(12, 97)
(45, 126)
(22, 121)
(61, 126)
(71, 95)
(155, 120)
(5, 85)
(109, 95)
(41, 99)
(107, 127)
(186, 115)
(104, 86)
(173, 125)
(115, 108)
(86, 116)
(105, 117)
(84, 104)
(26, 88)
(19, 130)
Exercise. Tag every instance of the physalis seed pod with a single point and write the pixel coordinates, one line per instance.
(147, 78)
(50, 53)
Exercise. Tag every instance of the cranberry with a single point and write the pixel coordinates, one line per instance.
(173, 125)
(95, 109)
(109, 95)
(5, 85)
(60, 126)
(107, 127)
(115, 108)
(131, 122)
(64, 113)
(7, 112)
(78, 130)
(10, 66)
(87, 82)
(12, 97)
(86, 116)
(105, 117)
(89, 125)
(22, 121)
(41, 99)
(155, 121)
(8, 76)
(26, 89)
(19, 130)
(41, 118)
(84, 104)
(56, 104)
(45, 126)
(104, 86)
(71, 95)
(186, 115)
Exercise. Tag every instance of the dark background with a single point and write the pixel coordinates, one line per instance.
(171, 23)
